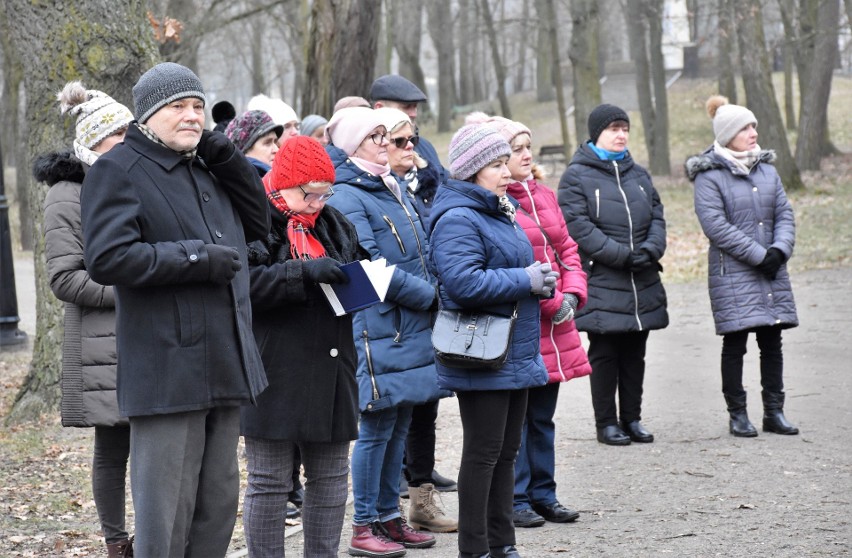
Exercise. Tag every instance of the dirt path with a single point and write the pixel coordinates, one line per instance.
(696, 491)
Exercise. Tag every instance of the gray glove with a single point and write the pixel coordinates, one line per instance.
(566, 311)
(542, 279)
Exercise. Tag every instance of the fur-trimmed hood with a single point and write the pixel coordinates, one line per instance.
(708, 160)
(52, 168)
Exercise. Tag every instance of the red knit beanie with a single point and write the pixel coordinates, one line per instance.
(300, 160)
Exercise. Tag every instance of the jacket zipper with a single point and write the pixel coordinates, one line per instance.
(630, 225)
(416, 238)
(721, 263)
(598, 202)
(394, 232)
(557, 352)
(370, 371)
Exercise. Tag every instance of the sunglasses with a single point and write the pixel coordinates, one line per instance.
(402, 142)
(311, 197)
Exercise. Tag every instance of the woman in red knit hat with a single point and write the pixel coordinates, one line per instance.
(311, 404)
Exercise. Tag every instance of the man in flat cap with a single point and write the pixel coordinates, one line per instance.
(166, 217)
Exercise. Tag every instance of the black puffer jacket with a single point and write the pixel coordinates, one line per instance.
(88, 343)
(611, 208)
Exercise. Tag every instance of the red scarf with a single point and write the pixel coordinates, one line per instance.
(304, 244)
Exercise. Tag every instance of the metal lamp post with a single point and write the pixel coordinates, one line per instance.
(10, 335)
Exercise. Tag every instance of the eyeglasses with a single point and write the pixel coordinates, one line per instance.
(311, 197)
(402, 142)
(378, 137)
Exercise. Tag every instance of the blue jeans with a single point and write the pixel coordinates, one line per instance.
(376, 462)
(534, 467)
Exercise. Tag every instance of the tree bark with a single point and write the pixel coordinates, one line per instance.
(658, 128)
(356, 46)
(465, 50)
(813, 122)
(58, 43)
(760, 93)
(544, 90)
(726, 48)
(319, 95)
(584, 60)
(550, 11)
(499, 69)
(440, 21)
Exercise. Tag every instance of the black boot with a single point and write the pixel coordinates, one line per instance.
(739, 425)
(773, 414)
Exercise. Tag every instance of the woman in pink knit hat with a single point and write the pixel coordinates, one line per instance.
(541, 218)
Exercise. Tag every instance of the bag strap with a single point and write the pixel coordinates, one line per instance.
(547, 239)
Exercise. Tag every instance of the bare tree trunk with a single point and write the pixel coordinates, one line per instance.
(14, 129)
(658, 128)
(550, 11)
(760, 93)
(544, 90)
(319, 96)
(727, 46)
(637, 33)
(57, 44)
(521, 43)
(440, 20)
(383, 64)
(356, 45)
(408, 24)
(584, 60)
(814, 122)
(465, 50)
(499, 69)
(258, 57)
(789, 103)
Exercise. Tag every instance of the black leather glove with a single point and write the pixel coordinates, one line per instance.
(323, 270)
(639, 260)
(771, 263)
(224, 263)
(215, 147)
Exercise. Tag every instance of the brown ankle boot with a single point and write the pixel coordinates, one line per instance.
(121, 549)
(398, 531)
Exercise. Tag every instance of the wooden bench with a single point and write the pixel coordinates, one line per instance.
(553, 157)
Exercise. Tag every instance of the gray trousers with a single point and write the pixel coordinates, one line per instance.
(185, 480)
(270, 467)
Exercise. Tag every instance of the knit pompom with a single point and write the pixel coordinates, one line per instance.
(713, 104)
(72, 95)
(475, 117)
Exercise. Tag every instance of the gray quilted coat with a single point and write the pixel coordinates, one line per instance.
(743, 215)
(88, 345)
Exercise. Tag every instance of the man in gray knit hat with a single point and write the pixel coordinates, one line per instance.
(166, 217)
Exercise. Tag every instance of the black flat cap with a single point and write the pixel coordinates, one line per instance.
(396, 88)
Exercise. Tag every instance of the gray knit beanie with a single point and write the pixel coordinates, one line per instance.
(728, 119)
(473, 147)
(162, 84)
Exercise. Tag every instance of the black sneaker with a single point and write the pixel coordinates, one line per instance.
(527, 518)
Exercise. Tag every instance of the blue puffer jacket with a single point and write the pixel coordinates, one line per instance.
(479, 256)
(743, 215)
(396, 363)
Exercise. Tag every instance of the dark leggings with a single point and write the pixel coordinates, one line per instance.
(492, 422)
(420, 443)
(109, 469)
(771, 360)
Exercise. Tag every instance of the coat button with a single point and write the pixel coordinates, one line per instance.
(218, 234)
(333, 352)
(760, 223)
(205, 196)
(193, 258)
(754, 188)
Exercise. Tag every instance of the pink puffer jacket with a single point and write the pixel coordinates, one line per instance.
(561, 348)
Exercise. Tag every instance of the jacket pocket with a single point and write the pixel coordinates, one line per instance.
(187, 328)
(395, 233)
